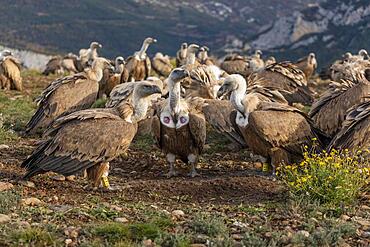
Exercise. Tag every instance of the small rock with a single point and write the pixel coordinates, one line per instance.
(120, 170)
(365, 207)
(24, 224)
(4, 218)
(68, 241)
(5, 186)
(304, 233)
(28, 184)
(237, 237)
(122, 220)
(71, 178)
(148, 243)
(31, 201)
(201, 239)
(268, 234)
(58, 177)
(198, 245)
(345, 217)
(3, 146)
(363, 222)
(178, 213)
(285, 222)
(366, 235)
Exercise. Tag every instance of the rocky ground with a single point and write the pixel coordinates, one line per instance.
(232, 203)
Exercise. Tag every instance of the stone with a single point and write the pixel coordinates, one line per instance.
(178, 213)
(4, 218)
(24, 224)
(68, 241)
(3, 146)
(237, 237)
(28, 184)
(345, 217)
(5, 186)
(58, 177)
(122, 220)
(304, 233)
(32, 201)
(148, 243)
(71, 178)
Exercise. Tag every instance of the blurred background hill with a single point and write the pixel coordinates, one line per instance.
(287, 28)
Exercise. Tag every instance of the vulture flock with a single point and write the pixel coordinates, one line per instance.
(255, 103)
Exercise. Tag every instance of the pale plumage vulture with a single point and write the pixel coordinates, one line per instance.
(329, 111)
(354, 134)
(236, 64)
(287, 79)
(255, 62)
(90, 139)
(181, 55)
(270, 60)
(203, 57)
(273, 130)
(87, 56)
(71, 64)
(111, 78)
(179, 130)
(54, 66)
(68, 94)
(162, 65)
(138, 66)
(191, 59)
(10, 72)
(307, 64)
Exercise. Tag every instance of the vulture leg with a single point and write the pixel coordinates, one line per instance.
(171, 158)
(99, 175)
(278, 157)
(193, 160)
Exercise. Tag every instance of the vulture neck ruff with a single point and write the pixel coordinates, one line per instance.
(96, 72)
(140, 105)
(190, 58)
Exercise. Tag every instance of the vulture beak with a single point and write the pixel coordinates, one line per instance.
(111, 68)
(156, 89)
(154, 41)
(224, 89)
(100, 45)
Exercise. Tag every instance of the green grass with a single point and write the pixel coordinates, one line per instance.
(209, 225)
(8, 201)
(33, 237)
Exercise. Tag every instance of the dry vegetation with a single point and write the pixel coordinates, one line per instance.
(232, 204)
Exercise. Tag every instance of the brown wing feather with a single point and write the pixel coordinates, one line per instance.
(355, 133)
(71, 148)
(198, 130)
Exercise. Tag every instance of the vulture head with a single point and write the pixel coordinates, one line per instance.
(6, 53)
(95, 45)
(312, 58)
(150, 40)
(145, 89)
(347, 56)
(363, 53)
(258, 53)
(178, 75)
(232, 83)
(98, 65)
(184, 46)
(120, 60)
(193, 48)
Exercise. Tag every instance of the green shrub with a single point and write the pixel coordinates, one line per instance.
(330, 178)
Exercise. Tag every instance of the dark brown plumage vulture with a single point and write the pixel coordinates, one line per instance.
(54, 66)
(111, 78)
(285, 77)
(179, 130)
(273, 130)
(10, 72)
(235, 64)
(162, 65)
(68, 94)
(355, 132)
(90, 139)
(307, 64)
(138, 66)
(329, 111)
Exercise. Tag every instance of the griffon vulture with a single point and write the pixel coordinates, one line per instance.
(355, 132)
(181, 55)
(235, 64)
(162, 65)
(203, 57)
(10, 72)
(307, 64)
(273, 130)
(54, 66)
(90, 139)
(179, 130)
(288, 79)
(255, 62)
(138, 66)
(111, 78)
(330, 109)
(68, 94)
(270, 60)
(71, 64)
(87, 56)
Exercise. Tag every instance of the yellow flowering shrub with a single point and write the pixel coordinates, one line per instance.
(329, 178)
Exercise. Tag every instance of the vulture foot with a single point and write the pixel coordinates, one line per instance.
(193, 172)
(171, 173)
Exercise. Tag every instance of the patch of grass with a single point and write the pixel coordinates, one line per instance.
(7, 136)
(33, 237)
(112, 232)
(16, 111)
(8, 200)
(173, 240)
(143, 142)
(333, 179)
(101, 212)
(253, 240)
(209, 225)
(99, 103)
(252, 209)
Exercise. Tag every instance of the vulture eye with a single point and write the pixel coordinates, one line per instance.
(166, 120)
(182, 120)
